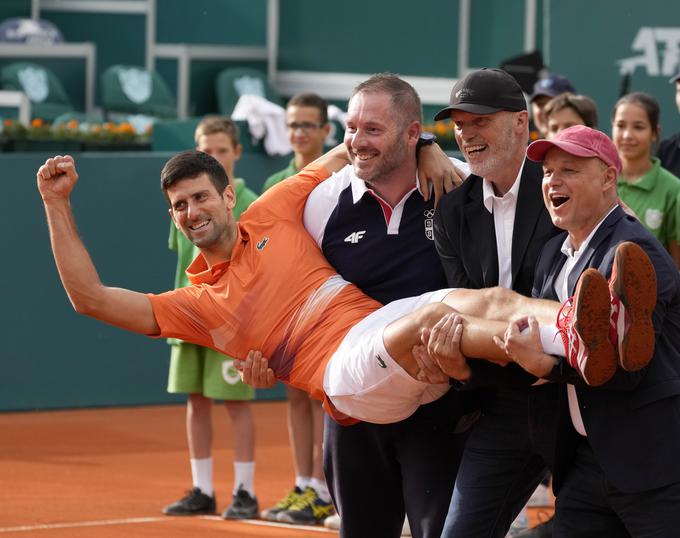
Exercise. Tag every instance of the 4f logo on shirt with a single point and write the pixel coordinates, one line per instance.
(429, 224)
(381, 362)
(262, 243)
(355, 237)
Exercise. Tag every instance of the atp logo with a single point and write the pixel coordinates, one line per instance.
(429, 224)
(660, 52)
(262, 243)
(355, 237)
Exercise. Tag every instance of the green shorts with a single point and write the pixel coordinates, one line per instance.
(200, 370)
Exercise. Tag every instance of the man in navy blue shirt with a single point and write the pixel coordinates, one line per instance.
(376, 229)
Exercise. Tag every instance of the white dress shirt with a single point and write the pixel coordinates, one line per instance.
(503, 211)
(562, 290)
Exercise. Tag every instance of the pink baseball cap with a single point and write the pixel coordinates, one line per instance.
(580, 141)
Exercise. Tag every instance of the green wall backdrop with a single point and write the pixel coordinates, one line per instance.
(51, 356)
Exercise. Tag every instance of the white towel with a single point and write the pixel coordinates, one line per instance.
(265, 120)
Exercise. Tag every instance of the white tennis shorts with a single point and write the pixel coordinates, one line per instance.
(364, 381)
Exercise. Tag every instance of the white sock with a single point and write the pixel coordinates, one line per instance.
(551, 340)
(303, 482)
(202, 475)
(321, 489)
(244, 475)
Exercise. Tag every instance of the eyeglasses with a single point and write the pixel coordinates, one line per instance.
(304, 126)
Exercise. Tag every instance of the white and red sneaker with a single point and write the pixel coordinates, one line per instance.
(633, 297)
(583, 322)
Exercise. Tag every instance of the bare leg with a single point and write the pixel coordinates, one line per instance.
(486, 313)
(501, 304)
(199, 426)
(317, 450)
(477, 342)
(243, 428)
(301, 431)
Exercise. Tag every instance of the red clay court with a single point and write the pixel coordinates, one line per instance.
(108, 472)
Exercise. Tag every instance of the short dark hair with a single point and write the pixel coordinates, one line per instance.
(582, 105)
(189, 165)
(405, 100)
(644, 100)
(218, 124)
(311, 100)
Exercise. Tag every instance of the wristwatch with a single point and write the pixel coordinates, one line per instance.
(426, 138)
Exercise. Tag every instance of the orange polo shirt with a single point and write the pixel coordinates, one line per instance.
(277, 293)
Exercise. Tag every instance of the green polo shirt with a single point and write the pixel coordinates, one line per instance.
(280, 176)
(655, 199)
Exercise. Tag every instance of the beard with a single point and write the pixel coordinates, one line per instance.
(387, 162)
(499, 155)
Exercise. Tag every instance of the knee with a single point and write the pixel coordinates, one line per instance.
(238, 410)
(431, 314)
(198, 404)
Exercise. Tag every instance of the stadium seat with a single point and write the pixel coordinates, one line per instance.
(41, 86)
(127, 89)
(234, 82)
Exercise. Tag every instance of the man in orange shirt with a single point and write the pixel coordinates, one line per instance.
(262, 283)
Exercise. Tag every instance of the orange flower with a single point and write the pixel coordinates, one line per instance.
(37, 123)
(8, 123)
(72, 124)
(126, 128)
(109, 126)
(96, 128)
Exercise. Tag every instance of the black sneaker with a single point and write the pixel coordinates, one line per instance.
(309, 509)
(243, 506)
(194, 503)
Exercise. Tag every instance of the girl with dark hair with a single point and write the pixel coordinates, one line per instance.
(651, 191)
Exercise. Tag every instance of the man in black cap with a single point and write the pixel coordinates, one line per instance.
(544, 90)
(669, 149)
(489, 232)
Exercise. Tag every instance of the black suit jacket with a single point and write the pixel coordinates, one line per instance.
(633, 420)
(465, 238)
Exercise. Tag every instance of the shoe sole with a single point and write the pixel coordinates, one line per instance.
(635, 285)
(240, 516)
(189, 514)
(592, 319)
(269, 516)
(292, 521)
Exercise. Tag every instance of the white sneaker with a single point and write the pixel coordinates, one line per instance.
(332, 522)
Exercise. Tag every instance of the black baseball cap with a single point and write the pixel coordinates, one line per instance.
(484, 91)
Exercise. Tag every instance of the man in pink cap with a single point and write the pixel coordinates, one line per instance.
(616, 471)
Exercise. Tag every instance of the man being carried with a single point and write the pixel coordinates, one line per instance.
(264, 284)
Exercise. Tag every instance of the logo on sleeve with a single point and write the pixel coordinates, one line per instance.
(381, 362)
(355, 237)
(429, 224)
(262, 243)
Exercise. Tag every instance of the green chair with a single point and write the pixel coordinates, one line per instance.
(234, 82)
(41, 86)
(127, 89)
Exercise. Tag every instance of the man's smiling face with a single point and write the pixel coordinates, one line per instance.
(487, 141)
(200, 212)
(578, 191)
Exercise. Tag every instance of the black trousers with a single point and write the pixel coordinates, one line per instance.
(589, 506)
(377, 473)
